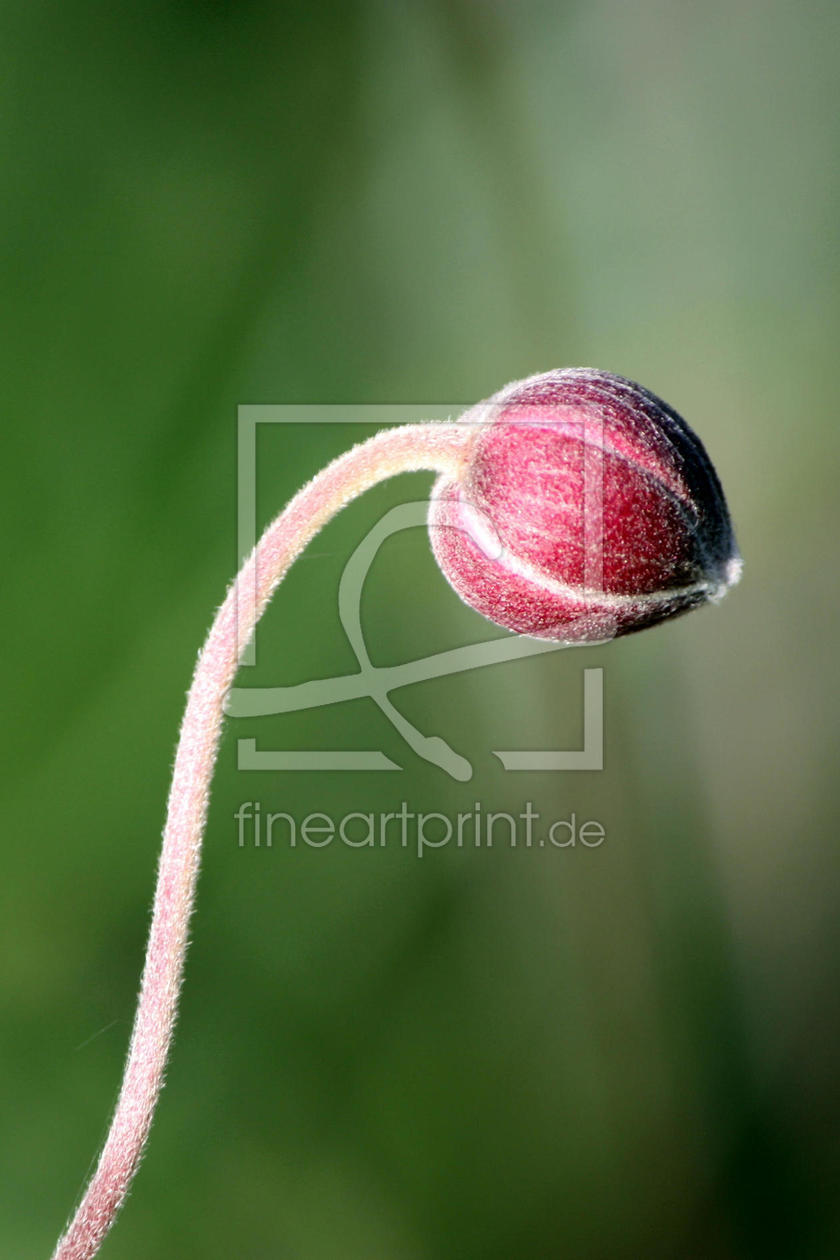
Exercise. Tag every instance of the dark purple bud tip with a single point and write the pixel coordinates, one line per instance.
(586, 508)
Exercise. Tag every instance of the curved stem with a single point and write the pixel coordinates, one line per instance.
(413, 447)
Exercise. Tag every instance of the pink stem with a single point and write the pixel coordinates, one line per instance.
(410, 448)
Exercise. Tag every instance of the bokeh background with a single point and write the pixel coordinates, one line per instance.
(593, 1053)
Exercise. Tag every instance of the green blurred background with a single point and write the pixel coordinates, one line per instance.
(617, 1052)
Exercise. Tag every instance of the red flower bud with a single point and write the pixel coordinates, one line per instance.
(586, 508)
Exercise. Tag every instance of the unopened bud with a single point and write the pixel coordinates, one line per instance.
(586, 508)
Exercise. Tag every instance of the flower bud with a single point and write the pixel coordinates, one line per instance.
(585, 508)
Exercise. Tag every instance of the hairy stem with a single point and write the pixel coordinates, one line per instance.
(413, 447)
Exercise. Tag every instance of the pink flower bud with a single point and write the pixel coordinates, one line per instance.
(586, 508)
